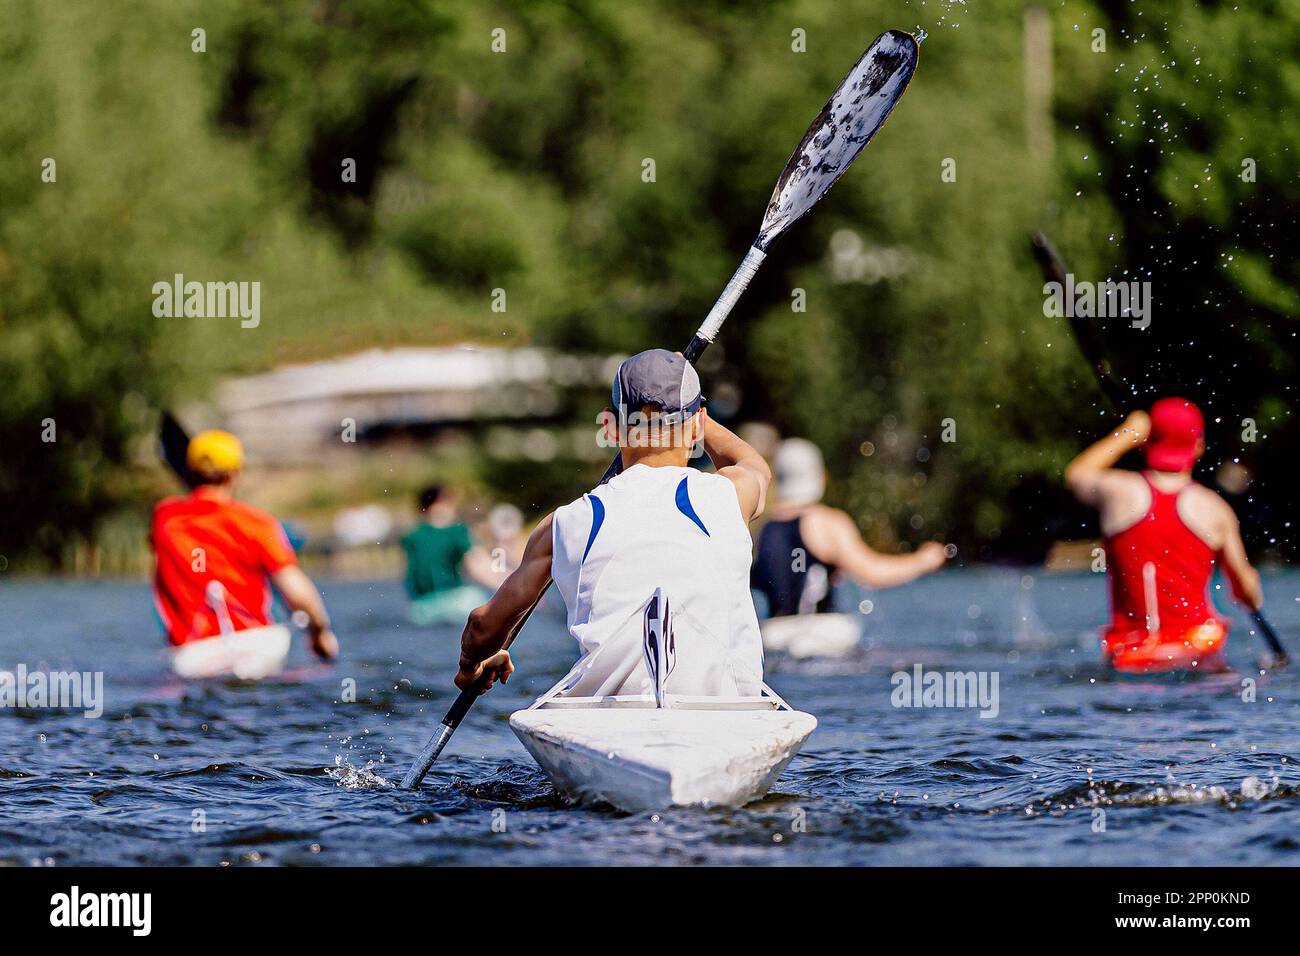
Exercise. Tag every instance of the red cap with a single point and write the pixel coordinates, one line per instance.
(1177, 428)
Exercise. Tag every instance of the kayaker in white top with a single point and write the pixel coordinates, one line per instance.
(659, 525)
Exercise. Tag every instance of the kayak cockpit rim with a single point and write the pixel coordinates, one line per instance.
(768, 700)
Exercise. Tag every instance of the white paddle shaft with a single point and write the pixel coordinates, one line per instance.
(731, 294)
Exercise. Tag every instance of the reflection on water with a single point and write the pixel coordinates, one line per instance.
(1077, 766)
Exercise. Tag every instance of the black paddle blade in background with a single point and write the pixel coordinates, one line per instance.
(851, 117)
(174, 440)
(1086, 333)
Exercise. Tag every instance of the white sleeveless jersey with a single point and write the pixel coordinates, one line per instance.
(672, 528)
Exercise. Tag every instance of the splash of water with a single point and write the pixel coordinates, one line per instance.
(344, 774)
(1101, 793)
(948, 10)
(1252, 788)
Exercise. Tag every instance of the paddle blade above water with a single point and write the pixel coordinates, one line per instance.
(1086, 333)
(851, 117)
(174, 441)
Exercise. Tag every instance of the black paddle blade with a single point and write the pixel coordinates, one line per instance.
(1049, 260)
(1087, 335)
(1280, 657)
(174, 440)
(846, 124)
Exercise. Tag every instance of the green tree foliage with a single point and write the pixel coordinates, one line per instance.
(509, 146)
(78, 358)
(1186, 141)
(524, 166)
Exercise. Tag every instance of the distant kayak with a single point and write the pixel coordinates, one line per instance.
(812, 635)
(451, 606)
(1197, 648)
(251, 654)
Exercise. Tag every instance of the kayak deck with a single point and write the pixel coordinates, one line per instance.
(812, 635)
(1192, 649)
(251, 654)
(629, 754)
(451, 606)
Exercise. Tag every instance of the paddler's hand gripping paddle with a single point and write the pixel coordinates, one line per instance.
(851, 117)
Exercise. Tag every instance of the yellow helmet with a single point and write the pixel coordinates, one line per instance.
(214, 454)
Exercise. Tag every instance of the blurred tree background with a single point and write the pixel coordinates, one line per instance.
(906, 304)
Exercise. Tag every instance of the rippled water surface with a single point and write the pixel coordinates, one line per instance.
(1075, 768)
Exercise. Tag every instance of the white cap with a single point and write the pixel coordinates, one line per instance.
(505, 521)
(800, 472)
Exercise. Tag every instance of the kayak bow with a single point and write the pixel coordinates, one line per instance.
(697, 751)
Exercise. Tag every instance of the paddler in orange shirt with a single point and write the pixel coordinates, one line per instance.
(217, 557)
(1165, 534)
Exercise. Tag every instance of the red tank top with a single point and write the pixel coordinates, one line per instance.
(1159, 557)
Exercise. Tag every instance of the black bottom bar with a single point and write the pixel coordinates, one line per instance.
(995, 905)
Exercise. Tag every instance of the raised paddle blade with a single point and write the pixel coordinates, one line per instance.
(1086, 334)
(1049, 260)
(851, 117)
(174, 441)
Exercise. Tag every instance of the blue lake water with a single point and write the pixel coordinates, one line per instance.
(1077, 767)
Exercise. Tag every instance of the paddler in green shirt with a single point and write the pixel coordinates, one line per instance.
(435, 552)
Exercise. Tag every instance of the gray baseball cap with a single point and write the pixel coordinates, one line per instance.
(657, 377)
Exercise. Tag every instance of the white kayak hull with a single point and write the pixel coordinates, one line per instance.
(812, 635)
(251, 654)
(629, 754)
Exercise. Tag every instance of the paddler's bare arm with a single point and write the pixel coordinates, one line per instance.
(832, 537)
(482, 660)
(1241, 575)
(737, 461)
(478, 565)
(300, 594)
(1086, 475)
